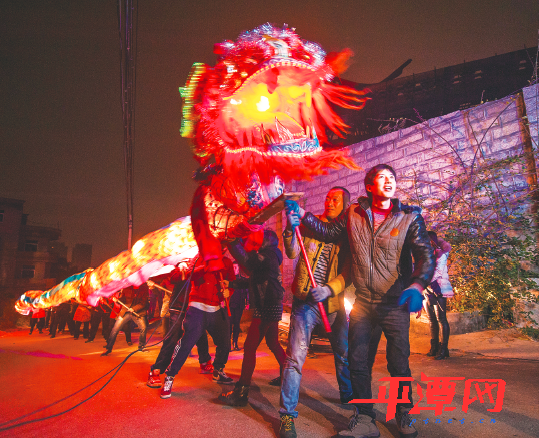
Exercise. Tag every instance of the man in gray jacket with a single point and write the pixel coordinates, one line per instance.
(383, 235)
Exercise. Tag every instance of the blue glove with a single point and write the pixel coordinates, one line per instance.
(291, 206)
(294, 208)
(413, 297)
(320, 293)
(293, 220)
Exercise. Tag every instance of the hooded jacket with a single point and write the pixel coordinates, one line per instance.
(263, 267)
(380, 265)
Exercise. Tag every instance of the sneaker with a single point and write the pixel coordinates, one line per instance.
(287, 429)
(404, 424)
(206, 368)
(238, 397)
(167, 387)
(154, 379)
(88, 341)
(220, 376)
(106, 352)
(361, 426)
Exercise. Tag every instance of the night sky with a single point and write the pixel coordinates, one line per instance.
(61, 135)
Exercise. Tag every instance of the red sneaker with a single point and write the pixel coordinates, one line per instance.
(166, 390)
(154, 379)
(206, 368)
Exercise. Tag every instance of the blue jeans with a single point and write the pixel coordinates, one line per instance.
(195, 324)
(395, 323)
(125, 320)
(305, 317)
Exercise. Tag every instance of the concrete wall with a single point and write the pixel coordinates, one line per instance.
(428, 155)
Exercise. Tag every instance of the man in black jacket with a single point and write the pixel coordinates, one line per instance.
(383, 235)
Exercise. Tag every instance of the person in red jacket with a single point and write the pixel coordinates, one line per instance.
(204, 313)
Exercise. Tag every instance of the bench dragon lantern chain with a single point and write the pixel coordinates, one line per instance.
(258, 119)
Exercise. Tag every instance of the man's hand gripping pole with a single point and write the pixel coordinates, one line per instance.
(116, 300)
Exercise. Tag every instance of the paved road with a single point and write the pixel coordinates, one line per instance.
(37, 371)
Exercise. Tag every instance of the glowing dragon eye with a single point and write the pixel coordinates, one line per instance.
(263, 104)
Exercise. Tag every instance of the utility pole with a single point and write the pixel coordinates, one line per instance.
(127, 28)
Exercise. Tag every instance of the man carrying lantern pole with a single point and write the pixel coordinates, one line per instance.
(326, 261)
(383, 235)
(204, 312)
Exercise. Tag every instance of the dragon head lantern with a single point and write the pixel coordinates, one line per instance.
(262, 113)
(266, 105)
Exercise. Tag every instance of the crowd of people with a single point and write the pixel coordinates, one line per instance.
(377, 244)
(70, 317)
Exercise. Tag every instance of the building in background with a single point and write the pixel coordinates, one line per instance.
(58, 248)
(402, 102)
(31, 256)
(25, 260)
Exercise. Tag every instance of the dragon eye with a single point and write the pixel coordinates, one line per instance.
(263, 104)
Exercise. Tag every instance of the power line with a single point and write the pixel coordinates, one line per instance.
(127, 31)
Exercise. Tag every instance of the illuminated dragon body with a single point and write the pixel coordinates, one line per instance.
(257, 119)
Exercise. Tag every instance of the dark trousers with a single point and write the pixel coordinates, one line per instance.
(66, 318)
(156, 302)
(395, 323)
(54, 323)
(99, 317)
(123, 322)
(169, 343)
(59, 320)
(85, 329)
(40, 324)
(48, 317)
(235, 320)
(436, 307)
(196, 322)
(259, 330)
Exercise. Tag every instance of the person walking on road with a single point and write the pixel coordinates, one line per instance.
(263, 267)
(137, 301)
(391, 263)
(437, 294)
